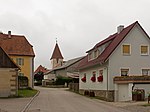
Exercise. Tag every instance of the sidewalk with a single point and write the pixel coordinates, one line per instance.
(13, 104)
(131, 106)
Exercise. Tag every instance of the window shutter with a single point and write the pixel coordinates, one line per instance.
(126, 49)
(22, 61)
(144, 49)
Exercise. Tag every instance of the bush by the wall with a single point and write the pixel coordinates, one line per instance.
(62, 80)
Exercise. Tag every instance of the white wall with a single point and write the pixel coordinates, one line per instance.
(89, 85)
(50, 76)
(135, 62)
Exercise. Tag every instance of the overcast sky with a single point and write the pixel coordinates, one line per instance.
(77, 24)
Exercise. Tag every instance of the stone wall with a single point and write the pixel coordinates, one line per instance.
(103, 94)
(8, 83)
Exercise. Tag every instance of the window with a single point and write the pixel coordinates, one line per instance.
(126, 50)
(96, 54)
(100, 72)
(90, 56)
(94, 74)
(144, 50)
(145, 71)
(20, 61)
(124, 72)
(21, 74)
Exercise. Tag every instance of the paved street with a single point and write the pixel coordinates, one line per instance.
(60, 100)
(13, 104)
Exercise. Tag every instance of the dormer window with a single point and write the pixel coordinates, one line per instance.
(96, 53)
(90, 56)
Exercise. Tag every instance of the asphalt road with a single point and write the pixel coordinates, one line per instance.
(60, 100)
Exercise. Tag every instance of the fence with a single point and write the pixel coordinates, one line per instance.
(74, 87)
(22, 82)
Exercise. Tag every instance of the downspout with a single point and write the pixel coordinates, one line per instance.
(32, 73)
(107, 84)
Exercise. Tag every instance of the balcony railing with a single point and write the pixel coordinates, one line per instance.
(132, 79)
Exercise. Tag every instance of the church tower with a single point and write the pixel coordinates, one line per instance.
(57, 58)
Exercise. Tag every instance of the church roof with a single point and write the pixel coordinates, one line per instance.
(56, 53)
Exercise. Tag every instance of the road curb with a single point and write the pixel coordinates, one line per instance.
(29, 103)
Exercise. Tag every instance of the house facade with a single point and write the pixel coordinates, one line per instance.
(68, 69)
(8, 76)
(21, 52)
(118, 65)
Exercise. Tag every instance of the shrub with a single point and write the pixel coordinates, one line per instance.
(62, 80)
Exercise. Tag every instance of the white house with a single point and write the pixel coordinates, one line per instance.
(116, 66)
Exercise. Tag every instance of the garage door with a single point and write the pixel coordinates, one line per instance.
(123, 92)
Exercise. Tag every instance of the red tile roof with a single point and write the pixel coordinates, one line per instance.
(56, 53)
(16, 45)
(115, 41)
(41, 69)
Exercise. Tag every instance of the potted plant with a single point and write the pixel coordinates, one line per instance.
(84, 79)
(100, 78)
(93, 78)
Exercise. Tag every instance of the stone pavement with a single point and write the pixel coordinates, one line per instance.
(13, 104)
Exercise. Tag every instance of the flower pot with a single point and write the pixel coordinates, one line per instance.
(83, 79)
(100, 78)
(93, 79)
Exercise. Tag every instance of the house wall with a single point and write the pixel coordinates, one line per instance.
(61, 72)
(8, 82)
(99, 88)
(27, 68)
(49, 76)
(135, 62)
(89, 85)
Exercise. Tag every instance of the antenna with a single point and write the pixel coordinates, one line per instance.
(56, 40)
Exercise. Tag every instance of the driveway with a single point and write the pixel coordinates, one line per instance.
(60, 100)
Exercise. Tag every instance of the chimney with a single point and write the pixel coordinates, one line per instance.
(120, 28)
(9, 34)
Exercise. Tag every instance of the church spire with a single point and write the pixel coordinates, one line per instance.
(57, 58)
(56, 53)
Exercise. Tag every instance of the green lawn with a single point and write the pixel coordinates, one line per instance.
(27, 92)
(145, 105)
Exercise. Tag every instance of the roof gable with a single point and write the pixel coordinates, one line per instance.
(5, 61)
(41, 69)
(110, 48)
(16, 45)
(56, 53)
